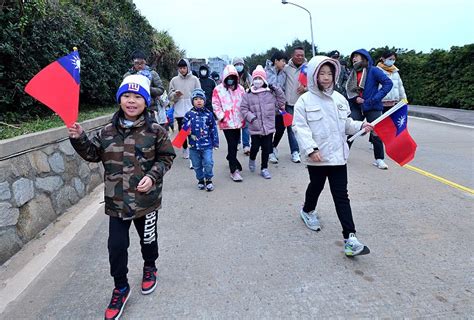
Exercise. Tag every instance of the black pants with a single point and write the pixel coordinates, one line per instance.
(180, 125)
(264, 142)
(280, 130)
(232, 136)
(357, 114)
(119, 242)
(337, 176)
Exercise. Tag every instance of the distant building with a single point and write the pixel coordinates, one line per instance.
(196, 63)
(217, 64)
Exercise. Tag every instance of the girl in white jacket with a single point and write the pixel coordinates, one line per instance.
(321, 125)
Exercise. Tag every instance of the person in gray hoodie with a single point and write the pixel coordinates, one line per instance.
(180, 90)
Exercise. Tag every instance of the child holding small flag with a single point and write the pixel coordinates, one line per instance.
(202, 139)
(258, 108)
(321, 124)
(136, 153)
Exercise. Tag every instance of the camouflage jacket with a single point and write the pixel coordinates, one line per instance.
(128, 154)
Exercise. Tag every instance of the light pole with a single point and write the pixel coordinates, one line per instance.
(310, 21)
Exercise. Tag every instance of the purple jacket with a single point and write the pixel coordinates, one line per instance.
(258, 109)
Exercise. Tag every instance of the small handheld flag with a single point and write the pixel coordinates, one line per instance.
(57, 86)
(178, 141)
(393, 132)
(287, 118)
(303, 77)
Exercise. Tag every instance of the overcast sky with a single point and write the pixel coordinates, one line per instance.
(208, 28)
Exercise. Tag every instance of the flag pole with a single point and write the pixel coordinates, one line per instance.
(400, 104)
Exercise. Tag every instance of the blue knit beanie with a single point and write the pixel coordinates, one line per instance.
(198, 93)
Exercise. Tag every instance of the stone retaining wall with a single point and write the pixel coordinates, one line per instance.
(41, 176)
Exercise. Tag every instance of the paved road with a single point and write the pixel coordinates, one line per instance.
(242, 252)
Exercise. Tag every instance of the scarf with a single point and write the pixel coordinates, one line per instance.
(391, 69)
(352, 87)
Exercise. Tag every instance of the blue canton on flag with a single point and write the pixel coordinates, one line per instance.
(400, 118)
(72, 64)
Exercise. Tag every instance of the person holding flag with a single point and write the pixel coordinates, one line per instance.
(136, 153)
(366, 87)
(321, 122)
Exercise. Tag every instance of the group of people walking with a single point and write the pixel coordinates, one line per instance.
(136, 150)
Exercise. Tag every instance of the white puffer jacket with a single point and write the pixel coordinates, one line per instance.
(321, 120)
(398, 91)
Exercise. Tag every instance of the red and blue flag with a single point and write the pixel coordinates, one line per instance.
(287, 118)
(303, 77)
(182, 135)
(393, 131)
(57, 86)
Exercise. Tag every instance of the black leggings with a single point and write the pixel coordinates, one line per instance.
(232, 137)
(280, 130)
(265, 142)
(337, 176)
(180, 125)
(119, 242)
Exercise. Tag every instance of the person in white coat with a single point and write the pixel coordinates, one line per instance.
(321, 124)
(387, 64)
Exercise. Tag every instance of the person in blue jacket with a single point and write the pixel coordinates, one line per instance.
(366, 87)
(203, 138)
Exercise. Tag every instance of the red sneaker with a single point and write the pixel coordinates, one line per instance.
(117, 304)
(149, 280)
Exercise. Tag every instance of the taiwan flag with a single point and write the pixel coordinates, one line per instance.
(57, 86)
(393, 131)
(303, 77)
(287, 118)
(178, 141)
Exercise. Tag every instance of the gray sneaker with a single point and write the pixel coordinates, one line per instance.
(252, 165)
(353, 247)
(266, 174)
(311, 220)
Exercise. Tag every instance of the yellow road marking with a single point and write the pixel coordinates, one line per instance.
(435, 177)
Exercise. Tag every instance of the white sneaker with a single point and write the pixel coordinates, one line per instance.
(310, 220)
(236, 177)
(190, 164)
(272, 158)
(295, 157)
(185, 154)
(275, 152)
(247, 151)
(379, 163)
(352, 246)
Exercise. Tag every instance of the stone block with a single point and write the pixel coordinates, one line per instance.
(49, 184)
(23, 191)
(56, 162)
(94, 182)
(79, 186)
(66, 148)
(93, 165)
(66, 197)
(10, 243)
(84, 170)
(49, 150)
(5, 193)
(35, 216)
(39, 161)
(20, 166)
(8, 214)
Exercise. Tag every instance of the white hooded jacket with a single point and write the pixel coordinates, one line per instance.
(321, 119)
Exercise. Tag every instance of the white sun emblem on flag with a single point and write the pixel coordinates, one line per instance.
(401, 121)
(76, 62)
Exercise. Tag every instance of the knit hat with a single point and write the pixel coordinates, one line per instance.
(237, 60)
(138, 84)
(198, 93)
(260, 72)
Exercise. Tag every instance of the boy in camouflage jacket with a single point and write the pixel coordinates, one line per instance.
(136, 153)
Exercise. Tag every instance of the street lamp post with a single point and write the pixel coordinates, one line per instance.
(310, 22)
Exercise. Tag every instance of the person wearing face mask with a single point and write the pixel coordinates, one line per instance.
(226, 101)
(207, 84)
(245, 81)
(215, 76)
(387, 65)
(366, 87)
(258, 109)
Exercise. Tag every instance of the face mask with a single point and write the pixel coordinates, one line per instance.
(239, 68)
(229, 82)
(389, 63)
(203, 72)
(258, 83)
(216, 79)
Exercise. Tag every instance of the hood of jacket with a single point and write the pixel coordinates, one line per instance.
(204, 67)
(228, 71)
(313, 68)
(189, 69)
(365, 54)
